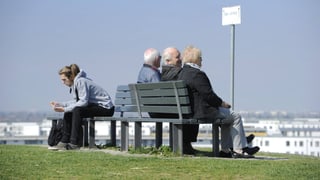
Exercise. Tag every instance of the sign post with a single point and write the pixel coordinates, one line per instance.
(231, 16)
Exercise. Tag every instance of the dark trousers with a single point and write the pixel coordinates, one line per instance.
(190, 133)
(72, 121)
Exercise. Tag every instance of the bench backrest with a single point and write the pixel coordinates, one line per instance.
(169, 97)
(123, 101)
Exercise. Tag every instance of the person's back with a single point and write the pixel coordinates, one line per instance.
(94, 93)
(203, 99)
(149, 72)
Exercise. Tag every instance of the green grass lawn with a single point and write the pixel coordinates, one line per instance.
(37, 162)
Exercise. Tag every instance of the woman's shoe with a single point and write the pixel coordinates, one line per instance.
(73, 147)
(59, 147)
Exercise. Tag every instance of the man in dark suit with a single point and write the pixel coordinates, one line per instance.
(171, 64)
(207, 104)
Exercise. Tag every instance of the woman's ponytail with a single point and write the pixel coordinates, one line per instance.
(70, 71)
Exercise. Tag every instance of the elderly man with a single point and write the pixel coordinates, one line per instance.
(207, 104)
(171, 64)
(149, 71)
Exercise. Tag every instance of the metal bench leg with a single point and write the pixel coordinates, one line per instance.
(91, 133)
(137, 135)
(170, 136)
(124, 136)
(85, 134)
(215, 140)
(158, 134)
(113, 133)
(177, 138)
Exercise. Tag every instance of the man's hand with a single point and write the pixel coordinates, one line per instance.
(225, 105)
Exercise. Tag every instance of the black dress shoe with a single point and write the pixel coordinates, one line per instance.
(251, 151)
(250, 138)
(225, 155)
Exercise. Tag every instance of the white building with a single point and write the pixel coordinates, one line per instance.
(298, 136)
(21, 129)
(3, 129)
(290, 145)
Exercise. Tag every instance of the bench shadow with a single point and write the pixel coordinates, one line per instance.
(200, 153)
(269, 158)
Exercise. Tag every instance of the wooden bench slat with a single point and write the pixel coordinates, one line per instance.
(123, 94)
(165, 101)
(162, 92)
(162, 85)
(165, 109)
(126, 109)
(123, 88)
(123, 101)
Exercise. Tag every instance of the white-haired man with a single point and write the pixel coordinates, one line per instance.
(150, 69)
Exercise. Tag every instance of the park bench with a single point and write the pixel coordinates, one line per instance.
(163, 98)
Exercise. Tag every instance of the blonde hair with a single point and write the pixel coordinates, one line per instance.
(70, 71)
(191, 55)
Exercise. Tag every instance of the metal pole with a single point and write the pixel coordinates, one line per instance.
(232, 64)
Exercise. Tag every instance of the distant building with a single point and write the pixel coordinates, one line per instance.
(292, 135)
(20, 129)
(289, 145)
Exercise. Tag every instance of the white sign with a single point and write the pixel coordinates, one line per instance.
(231, 15)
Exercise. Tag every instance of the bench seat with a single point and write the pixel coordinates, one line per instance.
(162, 98)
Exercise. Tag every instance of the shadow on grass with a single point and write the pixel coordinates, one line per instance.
(166, 151)
(201, 153)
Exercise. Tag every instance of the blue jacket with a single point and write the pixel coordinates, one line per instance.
(88, 93)
(148, 74)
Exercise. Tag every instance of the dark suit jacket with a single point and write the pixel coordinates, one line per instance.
(169, 73)
(204, 100)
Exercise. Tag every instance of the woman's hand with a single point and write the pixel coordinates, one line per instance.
(56, 106)
(53, 104)
(58, 109)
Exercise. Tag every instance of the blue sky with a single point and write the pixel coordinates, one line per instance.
(277, 48)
